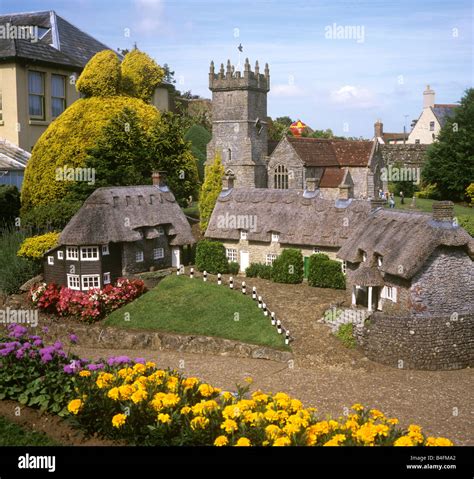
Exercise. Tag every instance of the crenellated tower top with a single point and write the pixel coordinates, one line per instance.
(231, 79)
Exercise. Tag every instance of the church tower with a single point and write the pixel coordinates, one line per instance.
(239, 122)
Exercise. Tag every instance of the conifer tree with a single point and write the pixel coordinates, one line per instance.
(210, 190)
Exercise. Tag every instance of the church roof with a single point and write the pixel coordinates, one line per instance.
(331, 178)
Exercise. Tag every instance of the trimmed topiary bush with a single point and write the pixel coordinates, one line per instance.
(211, 257)
(325, 273)
(36, 246)
(259, 270)
(288, 267)
(234, 267)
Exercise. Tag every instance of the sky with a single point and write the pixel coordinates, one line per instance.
(388, 53)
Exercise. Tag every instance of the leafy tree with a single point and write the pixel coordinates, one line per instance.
(470, 193)
(284, 120)
(328, 133)
(450, 162)
(199, 138)
(168, 75)
(210, 190)
(279, 127)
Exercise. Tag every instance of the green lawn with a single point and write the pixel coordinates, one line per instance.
(13, 435)
(426, 206)
(189, 306)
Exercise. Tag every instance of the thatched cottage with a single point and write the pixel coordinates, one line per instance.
(256, 224)
(411, 263)
(119, 231)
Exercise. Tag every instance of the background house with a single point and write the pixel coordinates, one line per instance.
(119, 231)
(12, 163)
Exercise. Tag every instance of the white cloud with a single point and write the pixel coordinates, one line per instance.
(287, 90)
(353, 96)
(150, 15)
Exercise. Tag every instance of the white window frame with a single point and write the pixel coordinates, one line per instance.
(243, 235)
(390, 293)
(364, 256)
(106, 278)
(156, 253)
(72, 253)
(94, 250)
(105, 249)
(231, 255)
(275, 237)
(51, 260)
(60, 254)
(379, 261)
(316, 250)
(344, 267)
(86, 278)
(139, 257)
(432, 124)
(74, 282)
(270, 258)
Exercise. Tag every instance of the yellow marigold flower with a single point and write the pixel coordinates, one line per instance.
(282, 415)
(243, 441)
(185, 410)
(139, 368)
(221, 441)
(164, 418)
(113, 394)
(382, 430)
(189, 383)
(260, 397)
(313, 432)
(282, 400)
(124, 372)
(296, 405)
(352, 425)
(157, 377)
(126, 391)
(207, 390)
(438, 441)
(199, 422)
(333, 425)
(85, 373)
(376, 414)
(205, 407)
(265, 443)
(282, 441)
(335, 440)
(119, 420)
(393, 421)
(139, 396)
(150, 365)
(403, 441)
(170, 399)
(227, 396)
(104, 379)
(229, 426)
(357, 407)
(414, 432)
(248, 380)
(272, 431)
(75, 406)
(172, 383)
(232, 411)
(291, 429)
(367, 433)
(270, 415)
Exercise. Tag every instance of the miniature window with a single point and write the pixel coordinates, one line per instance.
(432, 125)
(270, 258)
(160, 230)
(316, 250)
(243, 235)
(36, 95)
(72, 253)
(73, 281)
(275, 237)
(390, 292)
(158, 253)
(90, 281)
(280, 177)
(89, 253)
(364, 256)
(417, 142)
(343, 267)
(231, 255)
(106, 278)
(60, 254)
(139, 256)
(105, 249)
(51, 260)
(379, 261)
(58, 95)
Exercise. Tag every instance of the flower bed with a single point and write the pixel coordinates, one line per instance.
(138, 403)
(88, 306)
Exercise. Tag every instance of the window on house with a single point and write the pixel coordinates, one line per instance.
(231, 255)
(72, 253)
(158, 253)
(58, 95)
(105, 249)
(73, 281)
(89, 253)
(51, 260)
(379, 261)
(280, 177)
(90, 281)
(60, 254)
(432, 125)
(364, 256)
(316, 250)
(343, 267)
(229, 154)
(106, 278)
(390, 292)
(160, 230)
(417, 142)
(36, 95)
(139, 256)
(275, 237)
(243, 235)
(270, 258)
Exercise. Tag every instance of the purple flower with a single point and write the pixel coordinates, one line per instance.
(47, 350)
(58, 345)
(19, 354)
(95, 367)
(69, 369)
(140, 360)
(38, 342)
(32, 354)
(26, 345)
(45, 329)
(73, 338)
(45, 358)
(34, 337)
(17, 331)
(5, 352)
(118, 360)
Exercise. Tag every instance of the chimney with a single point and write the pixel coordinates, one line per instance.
(377, 203)
(227, 182)
(428, 97)
(378, 129)
(159, 178)
(311, 184)
(443, 211)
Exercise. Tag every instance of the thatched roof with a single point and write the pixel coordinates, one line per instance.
(128, 213)
(404, 240)
(366, 276)
(298, 219)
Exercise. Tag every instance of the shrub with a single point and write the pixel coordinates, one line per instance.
(429, 191)
(325, 273)
(265, 271)
(288, 267)
(55, 215)
(14, 271)
(234, 268)
(101, 76)
(467, 222)
(345, 334)
(210, 191)
(470, 193)
(258, 270)
(9, 204)
(211, 257)
(36, 246)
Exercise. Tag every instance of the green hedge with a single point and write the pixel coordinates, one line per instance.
(288, 267)
(211, 257)
(258, 270)
(53, 216)
(325, 273)
(234, 268)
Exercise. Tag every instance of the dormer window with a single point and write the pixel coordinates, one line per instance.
(379, 261)
(160, 230)
(364, 256)
(243, 235)
(275, 237)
